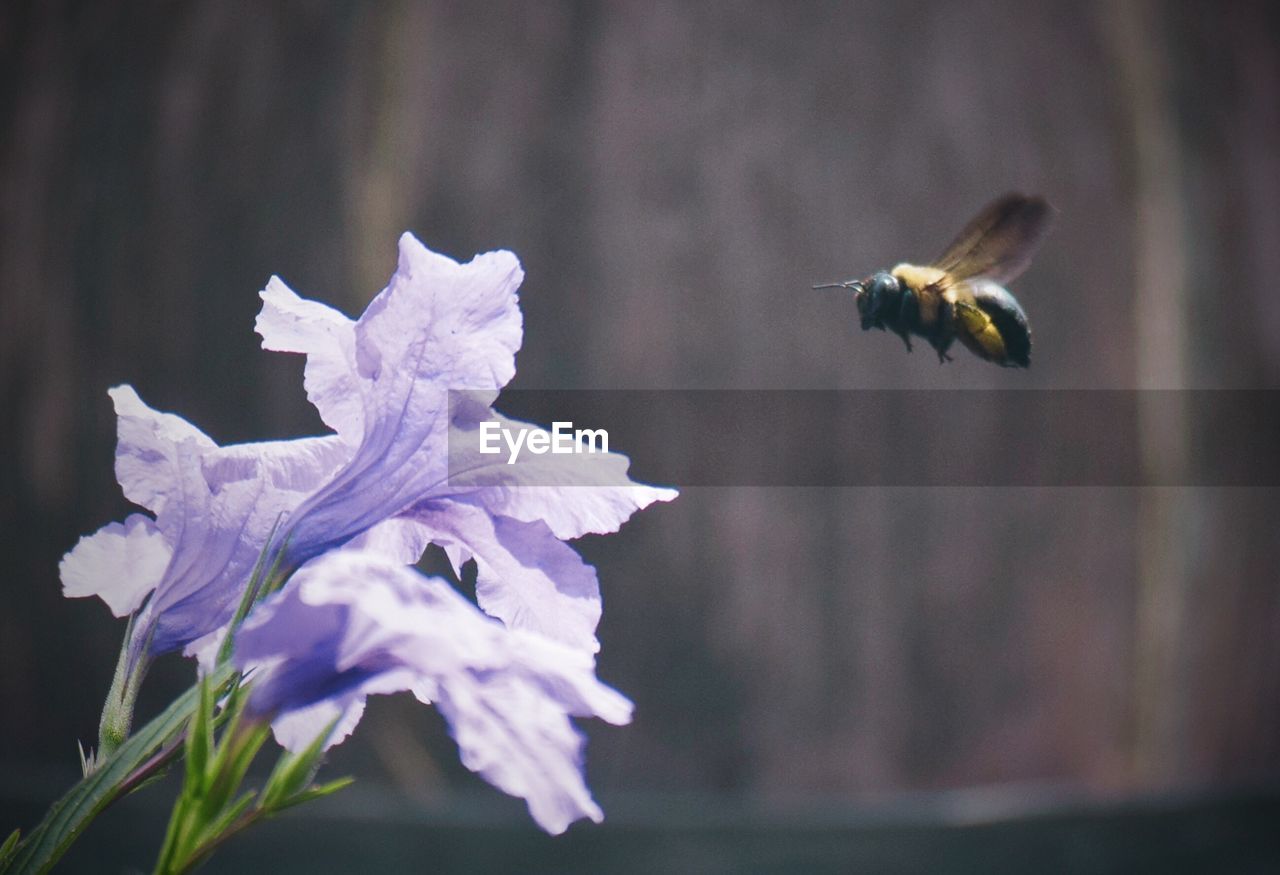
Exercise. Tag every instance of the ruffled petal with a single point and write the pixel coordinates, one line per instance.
(438, 325)
(525, 576)
(218, 507)
(300, 465)
(351, 624)
(121, 563)
(289, 323)
(219, 536)
(457, 326)
(295, 730)
(146, 455)
(574, 494)
(400, 538)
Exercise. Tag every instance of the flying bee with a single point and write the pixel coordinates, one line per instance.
(962, 294)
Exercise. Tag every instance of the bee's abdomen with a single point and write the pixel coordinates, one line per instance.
(1009, 319)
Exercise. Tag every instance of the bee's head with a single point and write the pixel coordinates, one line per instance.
(873, 296)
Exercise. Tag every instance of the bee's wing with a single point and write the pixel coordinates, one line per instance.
(998, 242)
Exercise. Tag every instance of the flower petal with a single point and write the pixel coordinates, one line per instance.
(350, 624)
(218, 538)
(458, 325)
(300, 465)
(216, 507)
(575, 494)
(289, 323)
(121, 563)
(399, 538)
(438, 325)
(146, 455)
(297, 729)
(525, 576)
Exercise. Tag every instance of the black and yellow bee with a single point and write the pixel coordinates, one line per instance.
(962, 294)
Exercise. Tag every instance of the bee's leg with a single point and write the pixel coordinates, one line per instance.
(940, 346)
(946, 332)
(907, 300)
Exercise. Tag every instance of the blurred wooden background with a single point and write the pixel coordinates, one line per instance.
(674, 176)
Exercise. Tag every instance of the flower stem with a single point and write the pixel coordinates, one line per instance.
(135, 760)
(117, 710)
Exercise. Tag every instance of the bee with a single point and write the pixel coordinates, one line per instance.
(962, 294)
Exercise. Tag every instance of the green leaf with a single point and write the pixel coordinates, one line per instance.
(9, 844)
(116, 775)
(226, 820)
(200, 847)
(293, 771)
(173, 833)
(199, 745)
(256, 589)
(239, 745)
(316, 792)
(87, 760)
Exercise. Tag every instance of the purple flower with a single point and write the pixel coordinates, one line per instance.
(350, 511)
(214, 510)
(382, 383)
(351, 624)
(381, 483)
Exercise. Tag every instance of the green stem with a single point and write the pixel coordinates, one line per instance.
(243, 822)
(261, 583)
(123, 770)
(117, 710)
